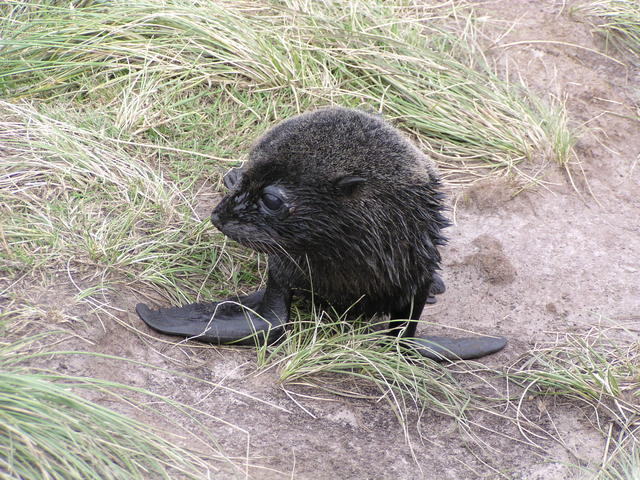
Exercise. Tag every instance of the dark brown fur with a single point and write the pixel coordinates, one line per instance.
(361, 213)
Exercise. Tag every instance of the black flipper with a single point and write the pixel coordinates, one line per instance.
(263, 315)
(467, 348)
(242, 321)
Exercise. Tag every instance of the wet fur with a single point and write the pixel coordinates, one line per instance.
(365, 211)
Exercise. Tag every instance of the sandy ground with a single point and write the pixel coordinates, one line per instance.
(547, 261)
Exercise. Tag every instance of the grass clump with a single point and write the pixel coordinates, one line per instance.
(72, 195)
(354, 358)
(618, 21)
(624, 464)
(593, 369)
(305, 54)
(600, 370)
(49, 431)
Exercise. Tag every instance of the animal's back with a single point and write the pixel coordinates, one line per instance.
(323, 144)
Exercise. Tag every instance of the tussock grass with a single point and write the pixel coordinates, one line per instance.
(20, 315)
(49, 431)
(624, 464)
(618, 21)
(592, 368)
(600, 370)
(71, 195)
(355, 358)
(315, 349)
(435, 83)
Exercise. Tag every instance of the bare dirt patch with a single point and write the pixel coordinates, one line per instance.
(528, 266)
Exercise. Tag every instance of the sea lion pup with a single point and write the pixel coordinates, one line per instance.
(345, 206)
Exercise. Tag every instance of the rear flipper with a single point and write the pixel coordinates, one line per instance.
(438, 348)
(467, 348)
(242, 321)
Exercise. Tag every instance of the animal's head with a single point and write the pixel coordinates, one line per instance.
(279, 213)
(312, 179)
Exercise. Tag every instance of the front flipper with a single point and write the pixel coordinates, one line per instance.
(241, 321)
(467, 348)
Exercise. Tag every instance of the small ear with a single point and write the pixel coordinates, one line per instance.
(231, 177)
(348, 184)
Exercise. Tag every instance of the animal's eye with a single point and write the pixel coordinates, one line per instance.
(272, 202)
